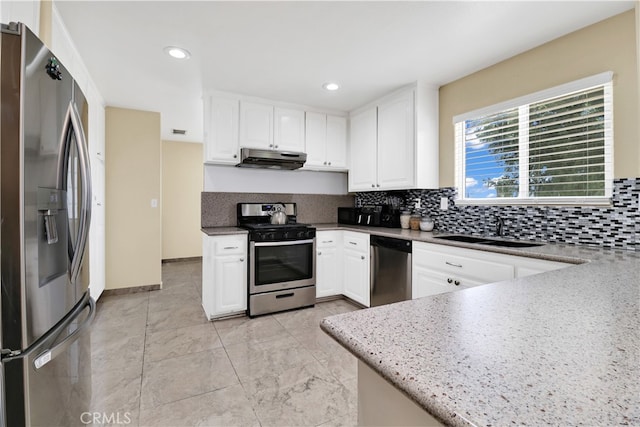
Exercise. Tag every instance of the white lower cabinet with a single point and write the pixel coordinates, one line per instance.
(328, 263)
(356, 266)
(440, 268)
(224, 275)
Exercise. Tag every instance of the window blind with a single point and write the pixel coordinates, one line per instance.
(552, 150)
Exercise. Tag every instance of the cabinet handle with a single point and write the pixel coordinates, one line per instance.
(329, 163)
(230, 247)
(276, 146)
(327, 241)
(319, 253)
(378, 185)
(325, 163)
(353, 243)
(456, 282)
(361, 256)
(270, 145)
(452, 264)
(373, 186)
(449, 280)
(241, 259)
(235, 156)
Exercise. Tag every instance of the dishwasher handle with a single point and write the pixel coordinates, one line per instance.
(391, 243)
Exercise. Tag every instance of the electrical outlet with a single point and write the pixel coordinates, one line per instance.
(444, 203)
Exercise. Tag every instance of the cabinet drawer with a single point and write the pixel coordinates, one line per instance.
(232, 245)
(327, 239)
(479, 270)
(358, 242)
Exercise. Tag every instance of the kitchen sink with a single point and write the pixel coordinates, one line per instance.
(489, 242)
(465, 239)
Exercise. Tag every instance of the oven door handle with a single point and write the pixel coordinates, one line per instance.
(285, 243)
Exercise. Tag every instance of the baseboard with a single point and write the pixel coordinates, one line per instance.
(193, 258)
(131, 290)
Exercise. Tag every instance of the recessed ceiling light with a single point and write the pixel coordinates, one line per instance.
(177, 52)
(331, 86)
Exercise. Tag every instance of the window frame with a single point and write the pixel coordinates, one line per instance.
(603, 79)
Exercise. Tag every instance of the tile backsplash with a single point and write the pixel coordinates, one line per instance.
(616, 226)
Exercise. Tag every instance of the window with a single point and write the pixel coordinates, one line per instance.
(551, 147)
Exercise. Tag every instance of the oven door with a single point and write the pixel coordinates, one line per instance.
(274, 266)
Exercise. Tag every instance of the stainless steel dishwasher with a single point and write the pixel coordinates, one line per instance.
(390, 270)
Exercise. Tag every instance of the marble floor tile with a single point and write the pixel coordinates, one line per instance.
(302, 319)
(185, 376)
(243, 329)
(113, 351)
(318, 343)
(303, 395)
(338, 306)
(225, 407)
(182, 315)
(124, 313)
(273, 370)
(254, 360)
(116, 394)
(343, 365)
(177, 342)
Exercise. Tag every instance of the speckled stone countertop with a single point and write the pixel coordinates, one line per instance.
(560, 348)
(221, 231)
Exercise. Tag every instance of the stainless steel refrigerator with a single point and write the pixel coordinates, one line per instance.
(45, 206)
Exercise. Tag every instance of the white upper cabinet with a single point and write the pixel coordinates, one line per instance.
(256, 125)
(289, 130)
(221, 117)
(396, 138)
(394, 141)
(337, 142)
(363, 168)
(325, 142)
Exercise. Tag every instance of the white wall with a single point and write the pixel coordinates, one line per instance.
(230, 179)
(25, 11)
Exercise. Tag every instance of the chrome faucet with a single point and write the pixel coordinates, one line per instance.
(499, 226)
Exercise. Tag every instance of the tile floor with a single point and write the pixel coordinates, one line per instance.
(157, 361)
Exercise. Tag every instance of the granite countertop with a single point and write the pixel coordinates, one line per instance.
(560, 348)
(221, 231)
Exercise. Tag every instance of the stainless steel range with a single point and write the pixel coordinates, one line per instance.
(282, 270)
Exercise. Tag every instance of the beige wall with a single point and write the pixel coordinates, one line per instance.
(606, 46)
(133, 177)
(181, 193)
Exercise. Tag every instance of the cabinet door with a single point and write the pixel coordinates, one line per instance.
(356, 276)
(336, 142)
(362, 154)
(289, 130)
(230, 284)
(396, 142)
(315, 139)
(221, 130)
(425, 282)
(256, 125)
(328, 272)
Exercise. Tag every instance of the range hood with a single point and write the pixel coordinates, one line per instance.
(271, 159)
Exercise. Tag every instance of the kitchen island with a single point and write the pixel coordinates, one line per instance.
(560, 348)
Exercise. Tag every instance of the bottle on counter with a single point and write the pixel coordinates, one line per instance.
(405, 216)
(414, 222)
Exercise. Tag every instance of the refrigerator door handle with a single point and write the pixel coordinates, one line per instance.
(52, 336)
(73, 127)
(50, 354)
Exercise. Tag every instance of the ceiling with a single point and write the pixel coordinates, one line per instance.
(286, 50)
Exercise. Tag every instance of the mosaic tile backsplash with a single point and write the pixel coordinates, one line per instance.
(616, 226)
